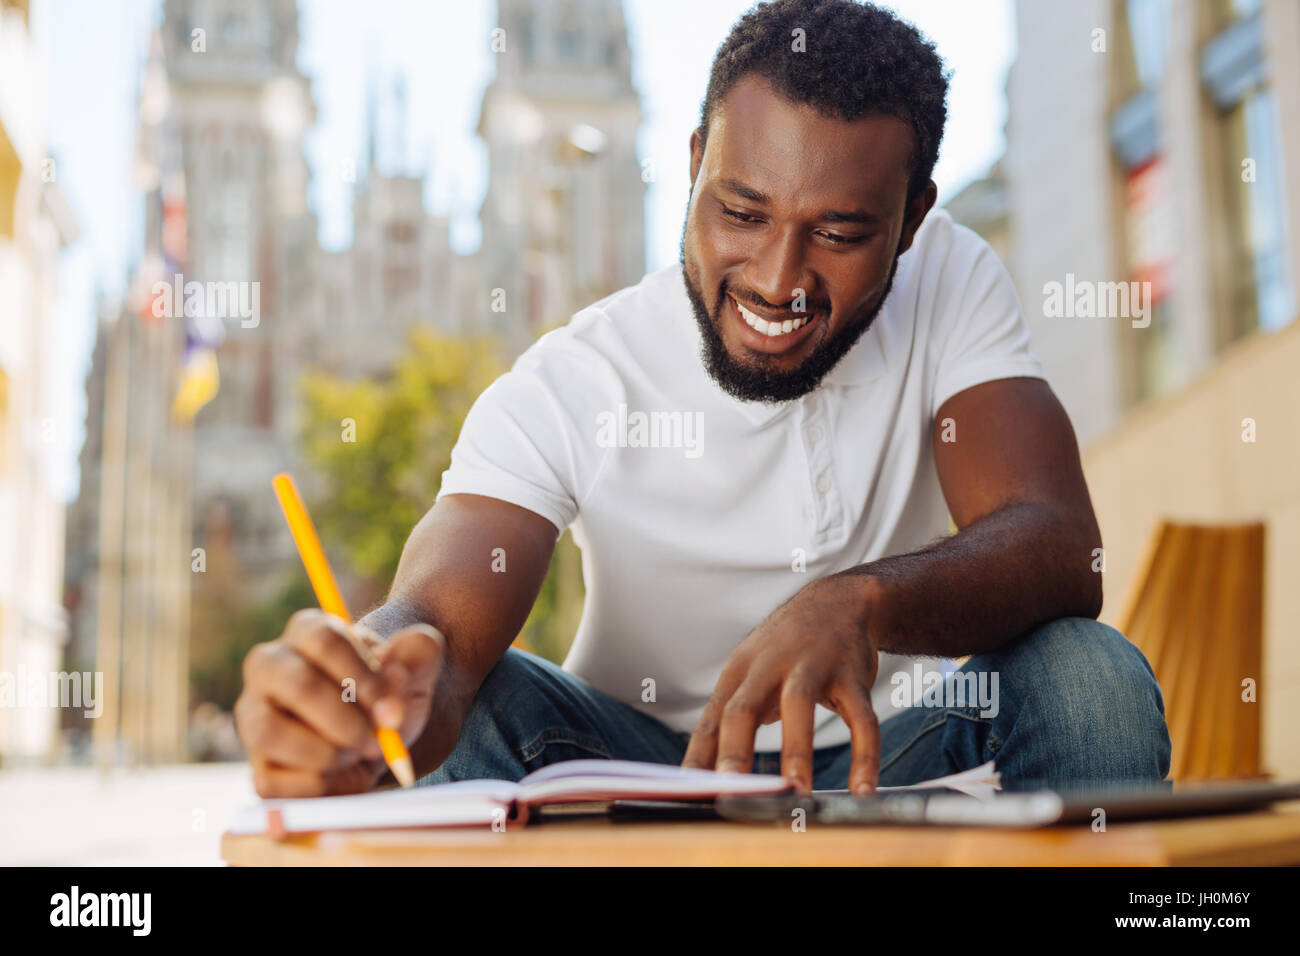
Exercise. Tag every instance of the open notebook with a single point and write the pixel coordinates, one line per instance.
(982, 782)
(494, 802)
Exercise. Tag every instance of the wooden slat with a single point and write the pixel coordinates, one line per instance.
(1196, 611)
(1161, 598)
(1133, 600)
(1211, 758)
(1166, 628)
(1250, 660)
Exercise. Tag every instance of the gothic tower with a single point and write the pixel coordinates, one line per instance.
(564, 217)
(241, 109)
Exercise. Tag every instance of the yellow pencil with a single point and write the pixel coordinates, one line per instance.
(331, 601)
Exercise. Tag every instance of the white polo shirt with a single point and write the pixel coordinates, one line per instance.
(695, 511)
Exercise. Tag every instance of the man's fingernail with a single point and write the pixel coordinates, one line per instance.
(388, 712)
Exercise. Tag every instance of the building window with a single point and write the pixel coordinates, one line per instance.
(1148, 27)
(1263, 219)
(1234, 72)
(1150, 238)
(1147, 213)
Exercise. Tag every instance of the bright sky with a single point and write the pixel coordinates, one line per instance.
(93, 50)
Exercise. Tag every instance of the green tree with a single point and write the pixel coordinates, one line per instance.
(379, 447)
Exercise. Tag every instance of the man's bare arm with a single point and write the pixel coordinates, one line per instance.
(1025, 546)
(446, 578)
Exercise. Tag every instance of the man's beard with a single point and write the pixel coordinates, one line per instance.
(756, 379)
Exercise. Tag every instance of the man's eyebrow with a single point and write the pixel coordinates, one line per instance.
(855, 215)
(740, 189)
(859, 216)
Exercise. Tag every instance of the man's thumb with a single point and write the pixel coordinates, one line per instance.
(417, 651)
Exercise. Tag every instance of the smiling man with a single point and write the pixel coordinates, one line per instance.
(857, 371)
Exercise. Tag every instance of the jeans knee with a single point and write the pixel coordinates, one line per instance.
(511, 682)
(1096, 692)
(489, 741)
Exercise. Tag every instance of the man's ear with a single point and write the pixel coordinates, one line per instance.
(697, 156)
(917, 209)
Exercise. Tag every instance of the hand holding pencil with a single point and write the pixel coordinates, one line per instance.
(328, 704)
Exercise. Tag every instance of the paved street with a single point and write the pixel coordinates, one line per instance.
(170, 816)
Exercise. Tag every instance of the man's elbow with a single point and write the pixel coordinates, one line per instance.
(1092, 596)
(1090, 579)
(1077, 540)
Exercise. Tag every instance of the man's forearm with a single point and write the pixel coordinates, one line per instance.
(998, 577)
(471, 568)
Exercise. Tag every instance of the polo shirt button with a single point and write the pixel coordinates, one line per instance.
(815, 432)
(823, 483)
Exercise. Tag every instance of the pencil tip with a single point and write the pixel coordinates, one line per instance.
(404, 772)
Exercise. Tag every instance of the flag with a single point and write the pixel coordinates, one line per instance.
(199, 379)
(198, 386)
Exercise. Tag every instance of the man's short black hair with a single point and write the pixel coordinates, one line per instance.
(858, 60)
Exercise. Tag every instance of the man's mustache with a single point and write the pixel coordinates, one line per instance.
(749, 299)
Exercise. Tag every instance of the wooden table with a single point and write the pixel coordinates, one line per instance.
(1267, 838)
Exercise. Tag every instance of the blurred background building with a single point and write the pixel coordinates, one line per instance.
(35, 224)
(564, 218)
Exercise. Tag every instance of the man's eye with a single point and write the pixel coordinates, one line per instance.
(841, 240)
(738, 216)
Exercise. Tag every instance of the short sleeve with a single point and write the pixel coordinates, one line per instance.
(978, 333)
(523, 440)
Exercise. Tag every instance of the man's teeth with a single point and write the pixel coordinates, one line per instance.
(759, 324)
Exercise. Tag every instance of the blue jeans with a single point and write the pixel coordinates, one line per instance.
(1078, 705)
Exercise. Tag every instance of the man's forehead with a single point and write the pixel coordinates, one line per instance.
(790, 151)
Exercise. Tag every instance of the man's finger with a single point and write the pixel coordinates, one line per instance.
(293, 683)
(854, 705)
(273, 780)
(278, 737)
(741, 716)
(411, 660)
(702, 751)
(798, 699)
(331, 649)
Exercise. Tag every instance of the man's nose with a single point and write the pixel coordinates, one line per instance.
(777, 272)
